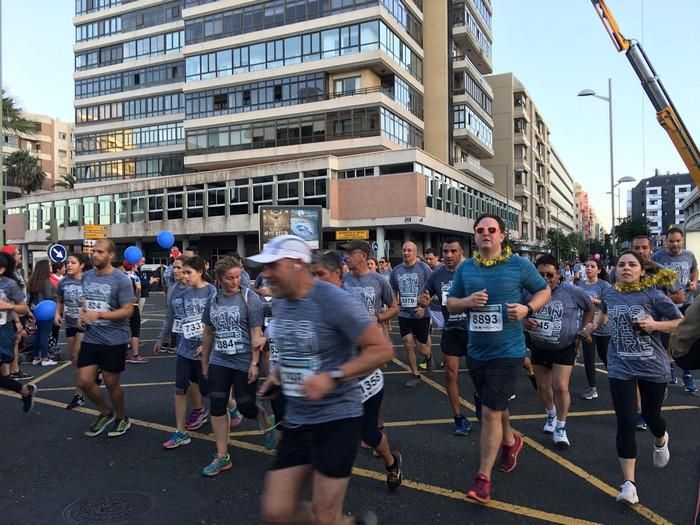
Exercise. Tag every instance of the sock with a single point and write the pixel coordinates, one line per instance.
(458, 418)
(552, 412)
(560, 423)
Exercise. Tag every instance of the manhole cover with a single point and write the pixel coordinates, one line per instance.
(118, 507)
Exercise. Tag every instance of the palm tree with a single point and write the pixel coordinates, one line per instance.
(12, 119)
(24, 169)
(67, 181)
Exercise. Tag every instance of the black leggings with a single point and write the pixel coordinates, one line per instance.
(599, 345)
(624, 397)
(10, 384)
(370, 420)
(221, 379)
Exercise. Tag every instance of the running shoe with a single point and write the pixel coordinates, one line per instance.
(509, 454)
(217, 465)
(137, 359)
(178, 439)
(77, 401)
(28, 400)
(49, 362)
(36, 361)
(590, 393)
(99, 425)
(21, 375)
(688, 383)
(413, 382)
(478, 408)
(628, 493)
(661, 454)
(271, 434)
(120, 427)
(481, 489)
(235, 416)
(394, 474)
(549, 424)
(429, 361)
(561, 440)
(196, 419)
(641, 424)
(462, 426)
(674, 380)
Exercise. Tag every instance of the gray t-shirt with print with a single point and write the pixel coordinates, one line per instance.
(232, 317)
(10, 292)
(409, 283)
(70, 292)
(595, 291)
(174, 312)
(557, 321)
(636, 354)
(439, 284)
(683, 264)
(371, 289)
(193, 303)
(318, 333)
(107, 293)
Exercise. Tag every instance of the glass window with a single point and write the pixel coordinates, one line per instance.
(138, 206)
(216, 200)
(174, 203)
(121, 208)
(74, 208)
(60, 207)
(195, 201)
(105, 209)
(89, 210)
(155, 205)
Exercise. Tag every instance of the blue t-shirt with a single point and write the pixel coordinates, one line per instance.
(683, 264)
(232, 318)
(107, 293)
(318, 333)
(193, 302)
(70, 291)
(409, 282)
(557, 321)
(595, 291)
(634, 354)
(504, 283)
(439, 284)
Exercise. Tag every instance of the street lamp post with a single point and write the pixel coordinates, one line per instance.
(608, 99)
(620, 181)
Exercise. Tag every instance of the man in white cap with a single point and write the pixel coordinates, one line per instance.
(318, 371)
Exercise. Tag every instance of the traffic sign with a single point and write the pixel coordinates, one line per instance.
(89, 242)
(95, 231)
(57, 253)
(352, 235)
(375, 246)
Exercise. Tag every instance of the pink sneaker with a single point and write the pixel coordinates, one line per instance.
(196, 419)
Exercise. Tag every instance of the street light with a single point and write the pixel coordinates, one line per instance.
(620, 181)
(608, 99)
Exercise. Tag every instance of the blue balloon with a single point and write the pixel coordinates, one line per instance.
(165, 239)
(133, 255)
(45, 310)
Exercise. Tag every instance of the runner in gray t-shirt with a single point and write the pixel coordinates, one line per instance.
(319, 330)
(107, 305)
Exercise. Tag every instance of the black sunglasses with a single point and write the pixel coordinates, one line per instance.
(548, 275)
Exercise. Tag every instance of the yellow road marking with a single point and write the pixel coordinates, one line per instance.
(50, 373)
(365, 473)
(63, 388)
(571, 467)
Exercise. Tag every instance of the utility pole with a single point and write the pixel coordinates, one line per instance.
(2, 156)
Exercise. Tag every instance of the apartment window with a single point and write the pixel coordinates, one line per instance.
(174, 203)
(347, 85)
(216, 199)
(195, 201)
(62, 153)
(60, 213)
(155, 205)
(262, 192)
(104, 206)
(119, 82)
(315, 188)
(138, 206)
(238, 197)
(74, 209)
(127, 139)
(89, 209)
(121, 208)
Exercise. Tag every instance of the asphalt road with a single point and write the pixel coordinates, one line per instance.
(51, 474)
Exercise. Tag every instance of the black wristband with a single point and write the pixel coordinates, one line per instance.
(530, 311)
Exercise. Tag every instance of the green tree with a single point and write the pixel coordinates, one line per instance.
(12, 119)
(558, 243)
(67, 181)
(629, 227)
(578, 246)
(24, 171)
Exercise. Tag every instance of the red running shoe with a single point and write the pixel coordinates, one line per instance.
(481, 489)
(509, 454)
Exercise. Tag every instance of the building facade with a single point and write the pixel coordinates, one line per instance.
(660, 199)
(563, 197)
(584, 213)
(194, 109)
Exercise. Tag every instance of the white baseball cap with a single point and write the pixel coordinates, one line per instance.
(283, 247)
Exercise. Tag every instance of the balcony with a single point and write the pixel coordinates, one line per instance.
(469, 37)
(474, 169)
(521, 163)
(522, 190)
(520, 137)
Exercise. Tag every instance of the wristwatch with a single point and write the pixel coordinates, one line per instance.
(530, 311)
(337, 375)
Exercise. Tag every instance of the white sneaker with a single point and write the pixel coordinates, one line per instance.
(549, 424)
(36, 361)
(628, 494)
(661, 454)
(48, 362)
(560, 438)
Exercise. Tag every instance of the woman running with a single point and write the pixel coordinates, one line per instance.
(231, 347)
(68, 299)
(188, 369)
(595, 284)
(637, 358)
(11, 302)
(40, 289)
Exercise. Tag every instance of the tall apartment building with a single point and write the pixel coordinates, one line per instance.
(51, 142)
(584, 213)
(525, 167)
(192, 114)
(660, 199)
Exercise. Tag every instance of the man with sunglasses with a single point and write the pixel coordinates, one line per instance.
(326, 341)
(489, 287)
(408, 281)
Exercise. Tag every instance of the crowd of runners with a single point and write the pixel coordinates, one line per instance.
(315, 326)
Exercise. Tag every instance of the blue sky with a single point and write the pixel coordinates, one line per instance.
(555, 47)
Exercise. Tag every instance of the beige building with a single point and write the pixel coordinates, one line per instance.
(563, 198)
(193, 110)
(51, 143)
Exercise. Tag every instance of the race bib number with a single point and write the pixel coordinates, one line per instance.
(486, 319)
(543, 328)
(409, 301)
(193, 329)
(177, 326)
(295, 371)
(227, 343)
(444, 298)
(3, 318)
(71, 311)
(266, 321)
(274, 353)
(372, 384)
(96, 306)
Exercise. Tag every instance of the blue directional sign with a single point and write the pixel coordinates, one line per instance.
(57, 253)
(375, 246)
